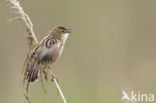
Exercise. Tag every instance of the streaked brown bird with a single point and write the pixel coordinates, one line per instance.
(47, 51)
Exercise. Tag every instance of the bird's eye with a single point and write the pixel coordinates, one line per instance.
(63, 31)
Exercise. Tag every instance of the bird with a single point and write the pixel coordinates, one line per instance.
(47, 51)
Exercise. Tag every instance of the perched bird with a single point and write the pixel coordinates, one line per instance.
(47, 51)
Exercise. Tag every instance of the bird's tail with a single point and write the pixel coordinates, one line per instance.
(33, 74)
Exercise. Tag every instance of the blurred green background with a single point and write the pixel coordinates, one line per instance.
(112, 48)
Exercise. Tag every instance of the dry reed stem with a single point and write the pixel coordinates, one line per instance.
(32, 41)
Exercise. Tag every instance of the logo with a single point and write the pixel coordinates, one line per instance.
(138, 96)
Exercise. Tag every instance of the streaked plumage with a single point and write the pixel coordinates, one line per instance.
(47, 51)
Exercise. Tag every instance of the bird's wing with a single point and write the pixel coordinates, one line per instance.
(47, 50)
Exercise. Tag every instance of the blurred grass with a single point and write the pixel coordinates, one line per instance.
(112, 48)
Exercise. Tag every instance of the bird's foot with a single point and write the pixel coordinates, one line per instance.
(53, 77)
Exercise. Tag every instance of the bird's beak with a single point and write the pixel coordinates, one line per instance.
(68, 31)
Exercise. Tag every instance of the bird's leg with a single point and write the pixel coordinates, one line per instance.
(52, 74)
(45, 73)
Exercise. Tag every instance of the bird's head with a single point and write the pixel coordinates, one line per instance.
(61, 32)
